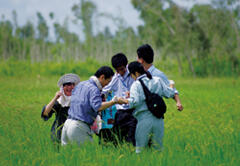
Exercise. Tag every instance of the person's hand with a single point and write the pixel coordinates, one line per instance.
(127, 94)
(122, 101)
(58, 94)
(115, 99)
(179, 106)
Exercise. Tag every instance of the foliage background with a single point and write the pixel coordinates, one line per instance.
(199, 48)
(201, 41)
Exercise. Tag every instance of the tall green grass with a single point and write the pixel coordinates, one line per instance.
(207, 132)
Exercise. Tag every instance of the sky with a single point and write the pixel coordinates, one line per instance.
(26, 10)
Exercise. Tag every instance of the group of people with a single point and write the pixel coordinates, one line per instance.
(118, 98)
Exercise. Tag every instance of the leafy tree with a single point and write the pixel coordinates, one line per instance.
(26, 31)
(84, 11)
(63, 35)
(42, 27)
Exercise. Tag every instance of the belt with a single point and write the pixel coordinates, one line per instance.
(79, 120)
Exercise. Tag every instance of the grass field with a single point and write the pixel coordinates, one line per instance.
(206, 133)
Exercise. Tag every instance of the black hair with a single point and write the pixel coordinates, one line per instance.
(119, 60)
(145, 52)
(138, 67)
(104, 70)
(68, 83)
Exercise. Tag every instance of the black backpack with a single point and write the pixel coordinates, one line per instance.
(155, 103)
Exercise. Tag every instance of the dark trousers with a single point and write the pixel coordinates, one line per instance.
(107, 136)
(125, 126)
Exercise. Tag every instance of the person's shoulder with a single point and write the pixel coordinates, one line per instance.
(155, 79)
(91, 85)
(115, 77)
(157, 71)
(87, 85)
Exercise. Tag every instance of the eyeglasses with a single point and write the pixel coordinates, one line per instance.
(68, 84)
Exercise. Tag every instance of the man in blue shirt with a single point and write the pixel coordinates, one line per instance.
(125, 123)
(145, 57)
(86, 102)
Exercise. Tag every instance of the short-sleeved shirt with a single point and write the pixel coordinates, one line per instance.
(120, 85)
(158, 73)
(85, 101)
(61, 114)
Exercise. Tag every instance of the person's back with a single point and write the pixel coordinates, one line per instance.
(155, 72)
(149, 127)
(145, 56)
(158, 86)
(155, 85)
(80, 105)
(85, 104)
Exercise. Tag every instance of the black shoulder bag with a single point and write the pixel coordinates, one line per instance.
(155, 103)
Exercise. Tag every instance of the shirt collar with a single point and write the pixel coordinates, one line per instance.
(126, 74)
(141, 76)
(96, 81)
(150, 69)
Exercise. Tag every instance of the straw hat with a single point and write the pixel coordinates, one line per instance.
(70, 77)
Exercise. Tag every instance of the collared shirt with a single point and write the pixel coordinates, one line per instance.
(137, 96)
(120, 85)
(158, 73)
(85, 102)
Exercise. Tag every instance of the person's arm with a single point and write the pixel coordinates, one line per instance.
(176, 96)
(51, 103)
(96, 101)
(122, 101)
(107, 104)
(170, 91)
(136, 96)
(178, 102)
(111, 86)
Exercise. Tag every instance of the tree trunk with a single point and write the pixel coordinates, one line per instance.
(179, 64)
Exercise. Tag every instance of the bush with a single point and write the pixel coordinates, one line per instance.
(21, 68)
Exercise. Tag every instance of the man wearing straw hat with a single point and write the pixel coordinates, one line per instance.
(60, 104)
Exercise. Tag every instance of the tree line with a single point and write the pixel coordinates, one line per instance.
(201, 41)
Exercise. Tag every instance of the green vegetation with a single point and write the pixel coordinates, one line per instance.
(199, 48)
(205, 133)
(201, 41)
(23, 68)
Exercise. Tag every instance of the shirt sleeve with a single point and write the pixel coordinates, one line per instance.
(164, 78)
(166, 81)
(54, 109)
(95, 99)
(136, 95)
(111, 86)
(165, 90)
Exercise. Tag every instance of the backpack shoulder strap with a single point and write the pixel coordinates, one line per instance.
(145, 89)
